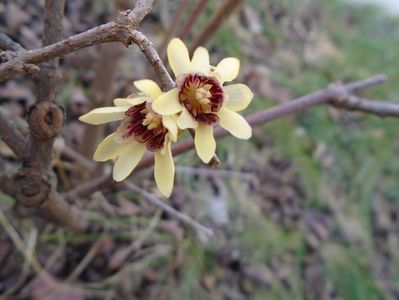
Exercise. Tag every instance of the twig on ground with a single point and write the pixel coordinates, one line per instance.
(122, 254)
(206, 172)
(185, 219)
(24, 249)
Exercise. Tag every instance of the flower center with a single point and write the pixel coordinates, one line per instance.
(202, 96)
(145, 126)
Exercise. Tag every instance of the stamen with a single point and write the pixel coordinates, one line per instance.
(202, 96)
(145, 126)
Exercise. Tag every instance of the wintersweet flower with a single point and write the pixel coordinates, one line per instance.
(141, 130)
(202, 100)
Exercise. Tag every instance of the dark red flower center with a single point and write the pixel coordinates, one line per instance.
(202, 96)
(145, 126)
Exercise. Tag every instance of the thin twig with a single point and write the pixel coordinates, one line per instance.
(6, 43)
(172, 27)
(11, 135)
(334, 92)
(122, 254)
(206, 172)
(375, 107)
(193, 18)
(213, 25)
(185, 219)
(148, 48)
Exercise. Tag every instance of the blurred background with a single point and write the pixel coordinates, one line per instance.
(307, 209)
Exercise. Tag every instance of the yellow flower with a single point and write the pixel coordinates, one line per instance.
(141, 129)
(202, 100)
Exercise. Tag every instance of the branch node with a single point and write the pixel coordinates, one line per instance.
(46, 120)
(32, 187)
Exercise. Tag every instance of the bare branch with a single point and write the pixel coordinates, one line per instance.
(335, 91)
(118, 30)
(185, 219)
(193, 18)
(375, 107)
(6, 43)
(217, 19)
(172, 27)
(148, 48)
(7, 184)
(10, 135)
(89, 187)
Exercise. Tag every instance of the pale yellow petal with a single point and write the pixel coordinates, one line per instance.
(128, 158)
(164, 171)
(104, 114)
(234, 123)
(148, 87)
(205, 143)
(200, 62)
(170, 122)
(168, 103)
(185, 120)
(129, 101)
(107, 149)
(238, 96)
(178, 57)
(228, 69)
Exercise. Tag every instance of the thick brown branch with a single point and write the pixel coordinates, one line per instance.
(118, 30)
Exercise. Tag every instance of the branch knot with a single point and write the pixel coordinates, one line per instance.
(46, 120)
(32, 187)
